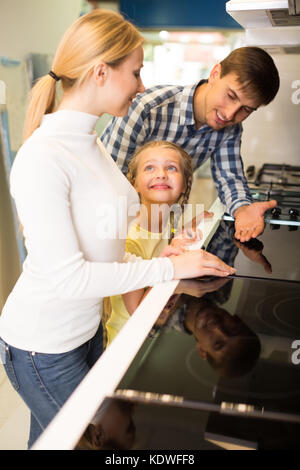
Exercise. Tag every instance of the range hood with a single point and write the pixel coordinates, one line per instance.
(271, 24)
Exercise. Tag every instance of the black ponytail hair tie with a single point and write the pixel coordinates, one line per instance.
(53, 75)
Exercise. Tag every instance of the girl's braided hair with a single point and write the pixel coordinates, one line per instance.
(186, 164)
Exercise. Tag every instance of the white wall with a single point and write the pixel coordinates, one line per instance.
(25, 26)
(34, 25)
(272, 133)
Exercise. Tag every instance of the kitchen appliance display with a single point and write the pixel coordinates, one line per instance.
(186, 388)
(279, 182)
(188, 402)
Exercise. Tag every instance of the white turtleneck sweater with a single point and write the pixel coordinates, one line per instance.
(73, 203)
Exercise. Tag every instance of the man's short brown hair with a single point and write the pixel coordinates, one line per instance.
(255, 70)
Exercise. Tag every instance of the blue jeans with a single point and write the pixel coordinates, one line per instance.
(45, 381)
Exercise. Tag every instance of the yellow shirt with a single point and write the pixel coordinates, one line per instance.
(146, 245)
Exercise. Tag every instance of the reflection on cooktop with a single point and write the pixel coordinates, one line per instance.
(273, 255)
(278, 312)
(218, 367)
(123, 425)
(225, 341)
(136, 423)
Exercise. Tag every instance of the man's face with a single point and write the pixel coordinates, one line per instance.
(215, 330)
(222, 103)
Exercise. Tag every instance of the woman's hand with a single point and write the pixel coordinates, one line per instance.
(171, 250)
(198, 263)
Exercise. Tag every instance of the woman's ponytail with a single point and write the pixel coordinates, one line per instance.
(41, 101)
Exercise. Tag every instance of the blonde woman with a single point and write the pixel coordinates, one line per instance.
(67, 190)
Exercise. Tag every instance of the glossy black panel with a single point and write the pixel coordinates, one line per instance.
(274, 255)
(221, 366)
(231, 339)
(234, 350)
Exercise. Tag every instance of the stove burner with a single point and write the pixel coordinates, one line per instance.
(278, 313)
(230, 386)
(271, 173)
(283, 312)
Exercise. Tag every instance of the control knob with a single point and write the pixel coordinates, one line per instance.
(275, 215)
(276, 212)
(293, 213)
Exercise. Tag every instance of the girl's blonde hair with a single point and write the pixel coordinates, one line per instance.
(186, 164)
(98, 35)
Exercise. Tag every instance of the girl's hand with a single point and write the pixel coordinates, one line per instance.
(208, 215)
(179, 243)
(190, 231)
(199, 263)
(187, 236)
(171, 250)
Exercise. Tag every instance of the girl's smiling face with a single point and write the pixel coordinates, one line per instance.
(159, 177)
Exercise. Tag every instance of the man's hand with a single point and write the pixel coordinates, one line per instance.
(249, 220)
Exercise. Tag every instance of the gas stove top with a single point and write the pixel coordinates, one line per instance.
(276, 175)
(279, 182)
(282, 183)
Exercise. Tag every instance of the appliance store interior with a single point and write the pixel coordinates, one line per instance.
(153, 387)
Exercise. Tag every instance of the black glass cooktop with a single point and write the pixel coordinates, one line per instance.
(274, 255)
(221, 365)
(217, 369)
(241, 339)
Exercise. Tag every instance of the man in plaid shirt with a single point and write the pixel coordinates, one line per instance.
(205, 120)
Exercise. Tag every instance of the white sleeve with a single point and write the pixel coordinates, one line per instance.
(130, 257)
(40, 187)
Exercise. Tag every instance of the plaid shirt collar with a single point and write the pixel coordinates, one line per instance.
(186, 113)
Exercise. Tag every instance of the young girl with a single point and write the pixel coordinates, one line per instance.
(162, 174)
(62, 182)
